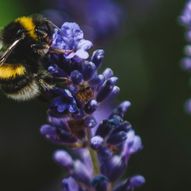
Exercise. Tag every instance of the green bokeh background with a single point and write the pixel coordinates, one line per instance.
(145, 55)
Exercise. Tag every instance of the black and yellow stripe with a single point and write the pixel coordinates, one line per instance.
(28, 24)
(10, 71)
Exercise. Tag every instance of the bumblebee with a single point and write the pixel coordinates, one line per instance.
(25, 41)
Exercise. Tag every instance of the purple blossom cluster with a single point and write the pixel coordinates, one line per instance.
(98, 151)
(185, 20)
(99, 18)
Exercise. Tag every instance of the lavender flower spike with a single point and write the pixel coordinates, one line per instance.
(185, 20)
(99, 144)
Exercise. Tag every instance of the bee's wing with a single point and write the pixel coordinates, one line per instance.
(1, 39)
(9, 49)
(1, 42)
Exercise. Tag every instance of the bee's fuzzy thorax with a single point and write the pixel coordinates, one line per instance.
(29, 25)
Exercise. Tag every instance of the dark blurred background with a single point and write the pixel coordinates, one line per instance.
(144, 52)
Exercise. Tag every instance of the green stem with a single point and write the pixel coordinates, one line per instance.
(93, 155)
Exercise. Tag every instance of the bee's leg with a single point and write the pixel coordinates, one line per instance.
(41, 33)
(45, 85)
(41, 48)
(62, 80)
(43, 36)
(44, 46)
(49, 82)
(59, 51)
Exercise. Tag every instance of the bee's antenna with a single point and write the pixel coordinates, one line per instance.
(56, 27)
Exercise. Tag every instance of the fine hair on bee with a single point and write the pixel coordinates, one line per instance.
(25, 41)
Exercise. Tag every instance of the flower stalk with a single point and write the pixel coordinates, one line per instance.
(93, 155)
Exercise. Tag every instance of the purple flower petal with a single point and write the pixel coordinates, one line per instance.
(84, 44)
(82, 54)
(69, 184)
(63, 159)
(70, 37)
